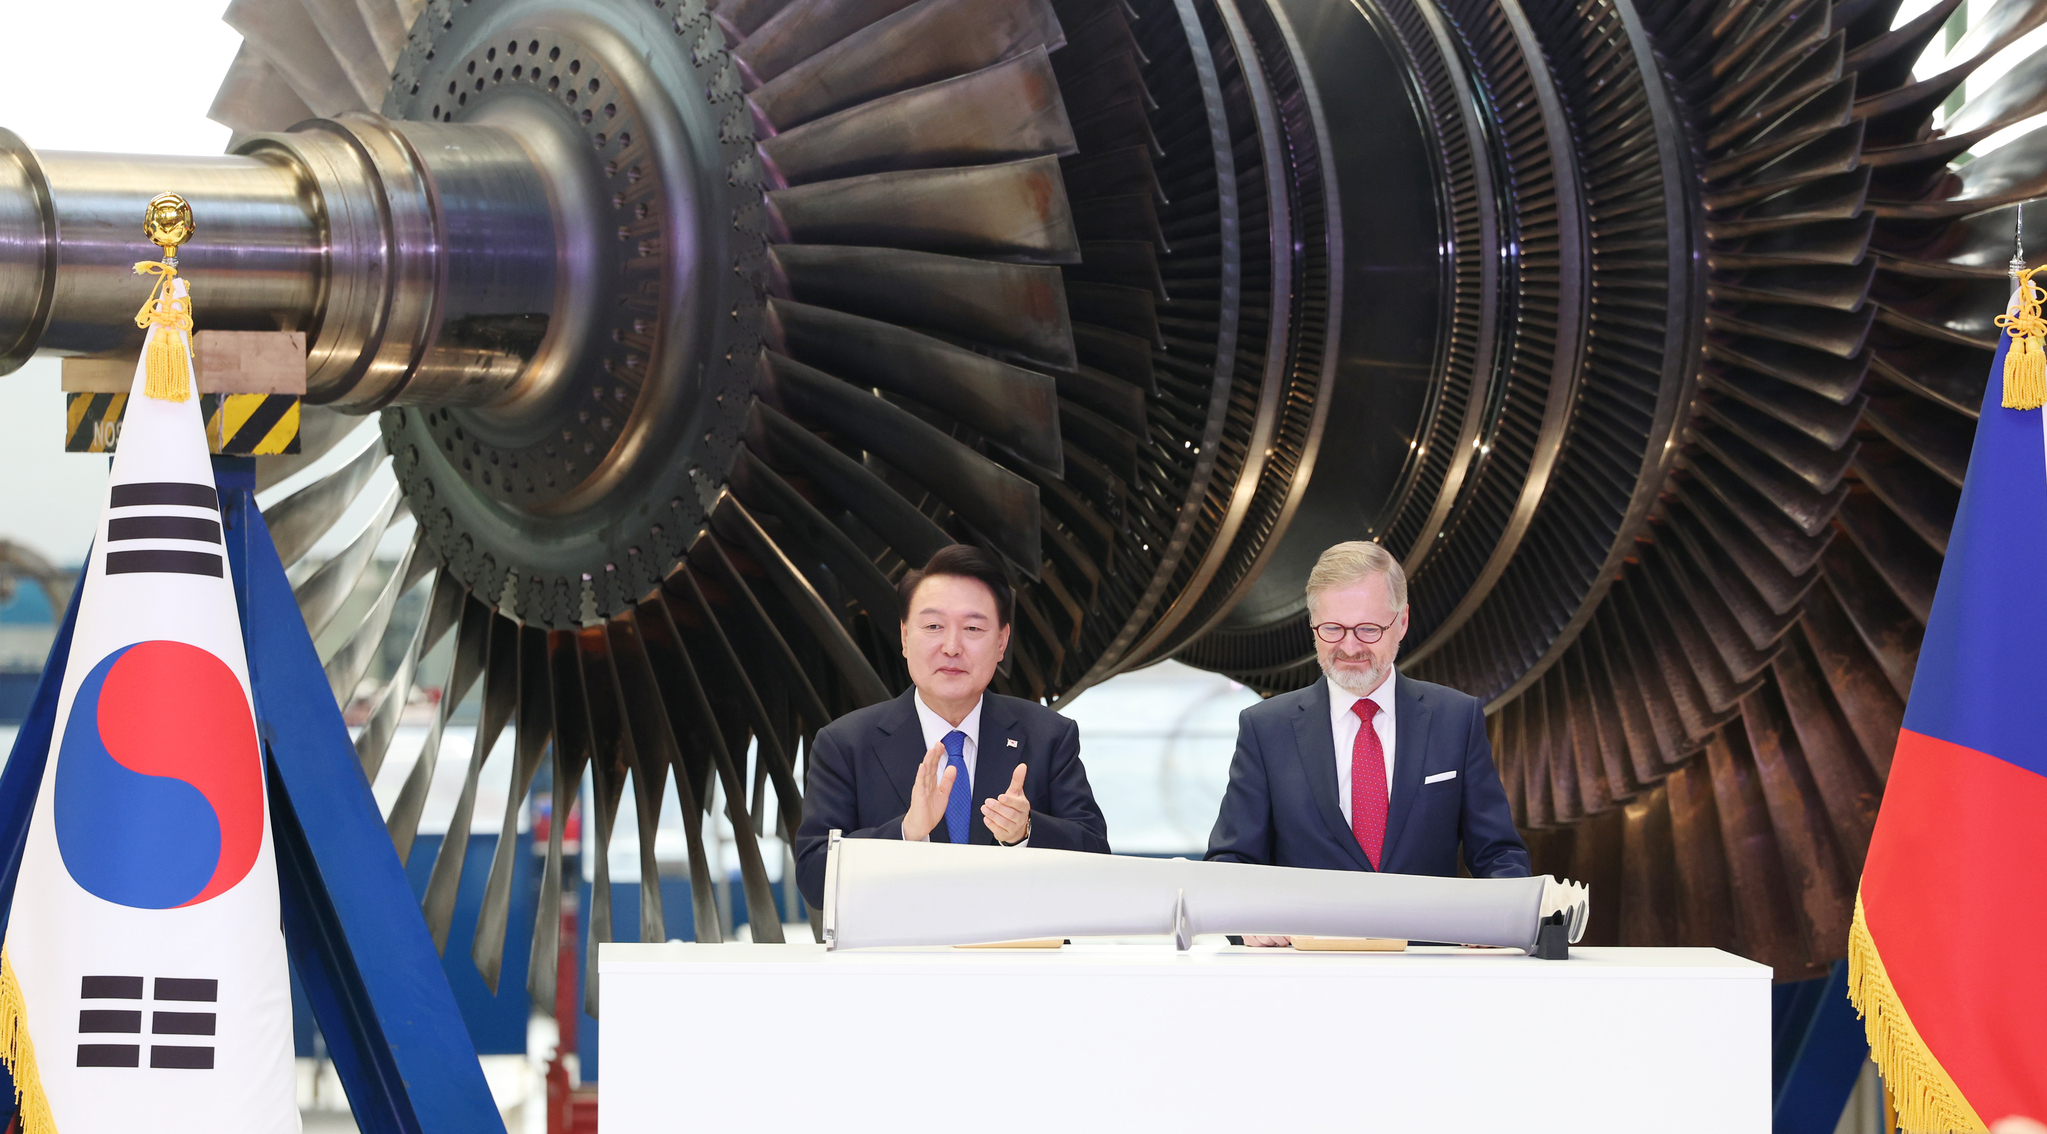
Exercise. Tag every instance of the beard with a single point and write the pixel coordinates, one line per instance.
(1357, 683)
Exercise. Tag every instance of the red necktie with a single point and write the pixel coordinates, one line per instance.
(1368, 784)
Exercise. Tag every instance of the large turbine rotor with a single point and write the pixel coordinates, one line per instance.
(1647, 333)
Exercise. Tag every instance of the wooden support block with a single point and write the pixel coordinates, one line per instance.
(250, 383)
(251, 362)
(228, 362)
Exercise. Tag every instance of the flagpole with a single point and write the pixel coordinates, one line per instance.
(2018, 245)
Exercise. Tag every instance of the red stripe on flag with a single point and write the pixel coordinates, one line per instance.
(1955, 894)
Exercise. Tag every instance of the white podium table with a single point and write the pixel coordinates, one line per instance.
(1129, 1036)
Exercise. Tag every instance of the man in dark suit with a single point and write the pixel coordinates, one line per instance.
(948, 761)
(1365, 769)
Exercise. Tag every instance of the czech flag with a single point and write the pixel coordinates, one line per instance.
(143, 984)
(1943, 955)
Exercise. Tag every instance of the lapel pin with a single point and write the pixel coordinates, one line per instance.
(1012, 744)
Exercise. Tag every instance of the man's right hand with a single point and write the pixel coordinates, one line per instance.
(928, 795)
(1258, 942)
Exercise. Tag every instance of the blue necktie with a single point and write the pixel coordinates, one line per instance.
(962, 791)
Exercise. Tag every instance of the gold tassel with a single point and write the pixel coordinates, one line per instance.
(19, 1051)
(1927, 1100)
(167, 363)
(2025, 361)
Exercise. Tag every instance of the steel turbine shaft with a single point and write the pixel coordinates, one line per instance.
(1647, 333)
(390, 240)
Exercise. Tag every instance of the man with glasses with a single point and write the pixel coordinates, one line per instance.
(1365, 769)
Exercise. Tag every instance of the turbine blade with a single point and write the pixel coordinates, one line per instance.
(928, 41)
(1005, 112)
(500, 698)
(472, 643)
(1013, 211)
(910, 533)
(743, 529)
(821, 541)
(802, 28)
(571, 731)
(299, 520)
(770, 660)
(725, 677)
(657, 746)
(1014, 407)
(321, 593)
(670, 670)
(348, 663)
(374, 740)
(286, 36)
(533, 720)
(1018, 309)
(1000, 504)
(253, 97)
(320, 429)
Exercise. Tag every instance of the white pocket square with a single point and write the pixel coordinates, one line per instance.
(1439, 777)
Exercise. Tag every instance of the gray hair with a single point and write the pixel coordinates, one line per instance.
(1353, 562)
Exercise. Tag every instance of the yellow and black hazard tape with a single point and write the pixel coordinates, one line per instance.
(237, 425)
(252, 425)
(92, 422)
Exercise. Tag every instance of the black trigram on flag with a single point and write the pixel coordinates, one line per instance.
(138, 516)
(118, 1020)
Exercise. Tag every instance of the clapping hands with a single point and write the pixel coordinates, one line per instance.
(928, 795)
(1009, 815)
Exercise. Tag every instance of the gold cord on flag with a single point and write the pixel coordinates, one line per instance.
(1928, 1102)
(2025, 362)
(167, 221)
(169, 354)
(19, 1052)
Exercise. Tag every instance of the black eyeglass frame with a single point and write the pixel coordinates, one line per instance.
(1357, 632)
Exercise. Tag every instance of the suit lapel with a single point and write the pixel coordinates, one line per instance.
(900, 748)
(1410, 748)
(994, 762)
(1316, 745)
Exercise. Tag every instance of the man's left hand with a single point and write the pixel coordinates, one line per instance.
(1009, 815)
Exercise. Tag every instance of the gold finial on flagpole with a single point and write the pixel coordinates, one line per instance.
(167, 221)
(2025, 360)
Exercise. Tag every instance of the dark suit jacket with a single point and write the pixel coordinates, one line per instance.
(1282, 806)
(863, 765)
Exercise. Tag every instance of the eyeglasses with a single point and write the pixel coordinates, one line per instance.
(1333, 632)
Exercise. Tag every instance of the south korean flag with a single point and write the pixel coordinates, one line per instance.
(143, 951)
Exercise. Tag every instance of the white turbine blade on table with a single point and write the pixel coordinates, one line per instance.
(888, 892)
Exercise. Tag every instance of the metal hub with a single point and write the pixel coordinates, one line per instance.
(595, 433)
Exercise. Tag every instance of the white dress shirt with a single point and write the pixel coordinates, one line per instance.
(935, 728)
(1343, 726)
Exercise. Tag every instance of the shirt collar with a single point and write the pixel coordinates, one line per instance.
(1340, 702)
(935, 726)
